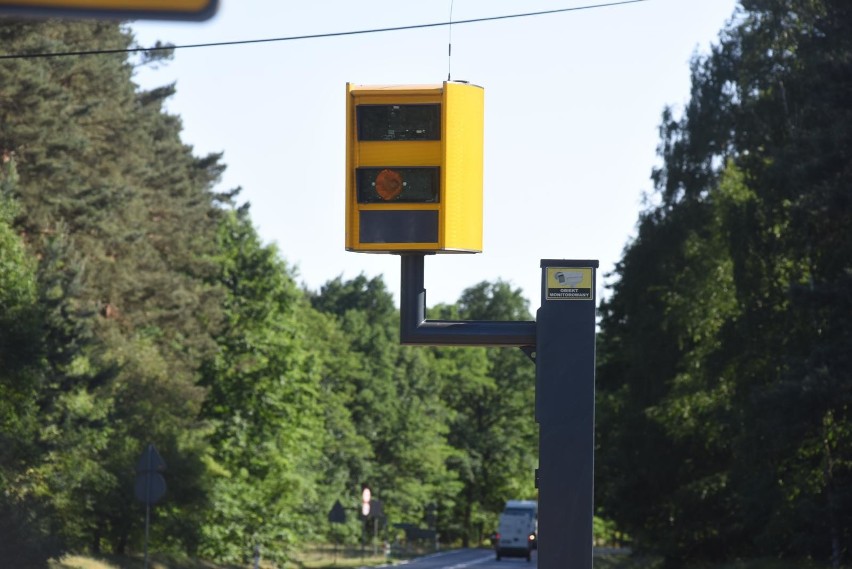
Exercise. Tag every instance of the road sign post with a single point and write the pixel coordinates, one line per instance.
(337, 515)
(565, 411)
(150, 485)
(365, 514)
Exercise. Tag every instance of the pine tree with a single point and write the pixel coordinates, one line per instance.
(126, 245)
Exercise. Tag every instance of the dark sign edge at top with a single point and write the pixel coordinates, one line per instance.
(21, 10)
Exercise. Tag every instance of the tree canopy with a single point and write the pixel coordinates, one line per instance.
(724, 371)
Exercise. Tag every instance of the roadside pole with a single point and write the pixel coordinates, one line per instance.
(150, 486)
(565, 411)
(561, 342)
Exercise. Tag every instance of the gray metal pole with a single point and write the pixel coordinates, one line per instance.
(148, 459)
(415, 330)
(564, 339)
(147, 525)
(565, 403)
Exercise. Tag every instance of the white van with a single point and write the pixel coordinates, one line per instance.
(517, 532)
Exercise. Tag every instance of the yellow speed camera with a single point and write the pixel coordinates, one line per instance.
(414, 156)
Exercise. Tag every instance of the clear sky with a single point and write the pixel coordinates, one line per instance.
(572, 110)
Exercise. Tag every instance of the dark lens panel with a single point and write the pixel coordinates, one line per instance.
(399, 122)
(399, 226)
(390, 185)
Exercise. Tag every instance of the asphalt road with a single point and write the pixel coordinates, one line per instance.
(485, 559)
(476, 558)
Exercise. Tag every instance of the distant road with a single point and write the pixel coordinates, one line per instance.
(463, 558)
(484, 559)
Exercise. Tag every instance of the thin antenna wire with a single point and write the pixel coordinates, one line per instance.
(450, 46)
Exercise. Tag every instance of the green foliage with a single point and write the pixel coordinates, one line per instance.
(17, 312)
(25, 520)
(491, 393)
(124, 316)
(264, 403)
(723, 386)
(394, 401)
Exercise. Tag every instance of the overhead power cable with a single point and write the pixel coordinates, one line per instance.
(316, 36)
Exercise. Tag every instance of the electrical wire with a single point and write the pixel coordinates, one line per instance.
(314, 36)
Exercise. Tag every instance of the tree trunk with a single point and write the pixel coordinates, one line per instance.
(834, 533)
(468, 514)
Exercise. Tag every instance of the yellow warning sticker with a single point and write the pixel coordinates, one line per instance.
(569, 283)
